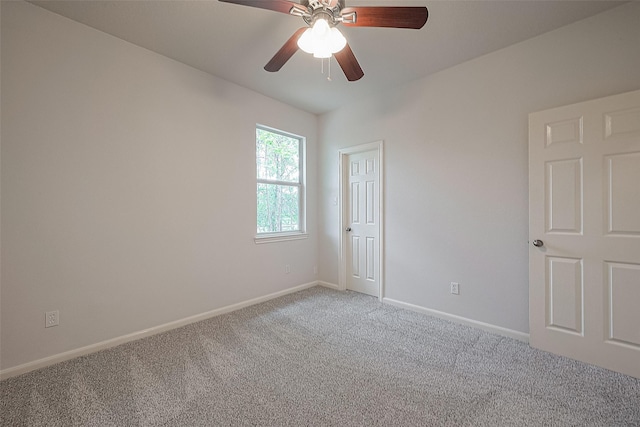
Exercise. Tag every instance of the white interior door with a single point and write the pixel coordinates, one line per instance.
(361, 221)
(584, 213)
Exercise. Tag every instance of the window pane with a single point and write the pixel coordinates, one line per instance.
(278, 208)
(277, 156)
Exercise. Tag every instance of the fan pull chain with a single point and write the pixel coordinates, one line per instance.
(328, 67)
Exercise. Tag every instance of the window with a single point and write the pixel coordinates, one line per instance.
(280, 184)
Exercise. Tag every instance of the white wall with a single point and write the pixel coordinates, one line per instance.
(456, 164)
(128, 188)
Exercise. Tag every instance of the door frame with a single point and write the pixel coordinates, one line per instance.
(343, 153)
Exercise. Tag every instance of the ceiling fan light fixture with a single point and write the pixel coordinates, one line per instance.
(321, 40)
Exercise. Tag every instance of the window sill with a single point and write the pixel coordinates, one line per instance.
(273, 238)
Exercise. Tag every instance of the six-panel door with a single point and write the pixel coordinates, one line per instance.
(584, 178)
(362, 255)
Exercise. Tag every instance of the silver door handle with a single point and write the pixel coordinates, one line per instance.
(538, 243)
(347, 229)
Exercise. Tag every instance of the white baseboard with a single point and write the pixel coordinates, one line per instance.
(520, 336)
(328, 285)
(71, 354)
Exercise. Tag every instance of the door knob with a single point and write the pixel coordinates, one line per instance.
(538, 243)
(347, 229)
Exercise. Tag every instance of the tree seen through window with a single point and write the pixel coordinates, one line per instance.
(279, 181)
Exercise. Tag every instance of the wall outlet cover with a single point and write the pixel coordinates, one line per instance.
(455, 288)
(51, 318)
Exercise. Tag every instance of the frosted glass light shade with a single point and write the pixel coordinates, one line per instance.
(321, 40)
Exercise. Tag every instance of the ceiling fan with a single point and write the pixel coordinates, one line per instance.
(323, 39)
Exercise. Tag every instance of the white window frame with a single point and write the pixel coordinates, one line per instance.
(301, 184)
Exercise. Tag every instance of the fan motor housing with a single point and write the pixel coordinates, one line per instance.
(320, 9)
(319, 4)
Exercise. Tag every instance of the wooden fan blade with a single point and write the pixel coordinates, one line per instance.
(349, 64)
(393, 16)
(285, 53)
(283, 6)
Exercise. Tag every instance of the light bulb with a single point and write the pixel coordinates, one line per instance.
(322, 40)
(336, 40)
(320, 28)
(322, 52)
(306, 41)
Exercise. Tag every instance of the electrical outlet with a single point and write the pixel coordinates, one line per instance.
(287, 269)
(315, 269)
(51, 318)
(455, 288)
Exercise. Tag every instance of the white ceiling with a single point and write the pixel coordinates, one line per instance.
(234, 42)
